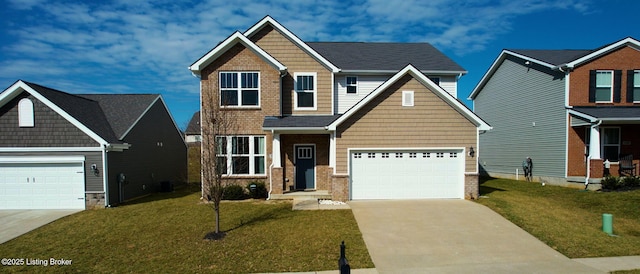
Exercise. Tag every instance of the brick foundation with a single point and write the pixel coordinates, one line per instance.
(94, 200)
(340, 187)
(471, 186)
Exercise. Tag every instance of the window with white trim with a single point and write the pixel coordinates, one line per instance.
(636, 86)
(241, 155)
(25, 113)
(407, 98)
(609, 143)
(352, 84)
(240, 89)
(305, 90)
(604, 86)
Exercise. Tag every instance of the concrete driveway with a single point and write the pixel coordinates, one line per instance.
(452, 236)
(14, 223)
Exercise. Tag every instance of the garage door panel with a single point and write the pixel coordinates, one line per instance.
(42, 185)
(407, 174)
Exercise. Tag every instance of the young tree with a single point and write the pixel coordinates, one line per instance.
(217, 123)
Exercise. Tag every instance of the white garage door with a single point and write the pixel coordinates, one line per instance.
(406, 174)
(36, 185)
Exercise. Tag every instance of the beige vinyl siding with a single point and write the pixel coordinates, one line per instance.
(385, 123)
(525, 107)
(366, 84)
(297, 61)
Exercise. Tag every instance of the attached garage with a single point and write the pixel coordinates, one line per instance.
(42, 182)
(407, 174)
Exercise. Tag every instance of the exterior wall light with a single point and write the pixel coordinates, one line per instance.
(472, 152)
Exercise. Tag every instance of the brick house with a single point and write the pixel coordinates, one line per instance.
(570, 110)
(350, 120)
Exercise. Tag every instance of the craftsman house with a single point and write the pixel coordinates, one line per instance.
(352, 120)
(75, 151)
(569, 110)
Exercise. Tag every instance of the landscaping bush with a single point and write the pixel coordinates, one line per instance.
(233, 192)
(260, 191)
(610, 183)
(630, 181)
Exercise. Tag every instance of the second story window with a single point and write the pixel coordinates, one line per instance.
(604, 86)
(634, 85)
(352, 84)
(241, 89)
(305, 93)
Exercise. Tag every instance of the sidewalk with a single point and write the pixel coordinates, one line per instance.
(609, 264)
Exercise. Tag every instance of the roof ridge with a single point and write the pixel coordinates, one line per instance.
(57, 90)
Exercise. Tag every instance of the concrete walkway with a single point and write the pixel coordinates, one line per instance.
(14, 223)
(452, 236)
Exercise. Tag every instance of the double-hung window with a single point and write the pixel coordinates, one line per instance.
(635, 85)
(305, 91)
(241, 155)
(352, 84)
(240, 89)
(610, 143)
(604, 86)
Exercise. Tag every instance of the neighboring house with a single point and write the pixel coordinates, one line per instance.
(355, 120)
(76, 151)
(566, 109)
(192, 135)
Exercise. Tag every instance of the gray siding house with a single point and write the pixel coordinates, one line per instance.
(60, 150)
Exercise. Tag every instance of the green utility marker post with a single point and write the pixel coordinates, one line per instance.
(607, 223)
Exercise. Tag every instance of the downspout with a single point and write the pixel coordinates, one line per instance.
(105, 177)
(586, 179)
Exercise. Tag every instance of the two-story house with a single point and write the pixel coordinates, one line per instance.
(353, 120)
(569, 110)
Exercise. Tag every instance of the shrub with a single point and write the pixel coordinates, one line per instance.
(630, 181)
(233, 192)
(610, 183)
(260, 191)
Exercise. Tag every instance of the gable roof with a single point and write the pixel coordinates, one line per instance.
(194, 125)
(267, 20)
(561, 60)
(224, 46)
(106, 118)
(386, 57)
(424, 80)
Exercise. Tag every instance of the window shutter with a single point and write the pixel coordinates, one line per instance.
(617, 85)
(630, 86)
(592, 86)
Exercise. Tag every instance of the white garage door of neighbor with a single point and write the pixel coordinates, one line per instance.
(42, 186)
(407, 174)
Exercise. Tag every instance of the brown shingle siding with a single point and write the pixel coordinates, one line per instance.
(385, 123)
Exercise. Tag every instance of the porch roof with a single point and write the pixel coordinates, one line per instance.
(298, 122)
(607, 114)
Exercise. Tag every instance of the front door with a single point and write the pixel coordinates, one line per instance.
(305, 167)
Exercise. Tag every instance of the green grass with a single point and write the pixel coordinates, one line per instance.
(164, 234)
(568, 220)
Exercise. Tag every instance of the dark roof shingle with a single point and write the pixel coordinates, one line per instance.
(612, 112)
(554, 57)
(385, 56)
(194, 124)
(310, 121)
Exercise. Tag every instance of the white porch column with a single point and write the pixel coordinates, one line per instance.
(594, 142)
(332, 151)
(275, 150)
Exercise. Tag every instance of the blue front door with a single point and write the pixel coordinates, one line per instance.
(305, 167)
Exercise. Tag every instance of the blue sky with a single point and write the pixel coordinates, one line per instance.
(129, 46)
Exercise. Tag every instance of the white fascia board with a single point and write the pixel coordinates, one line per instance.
(50, 149)
(496, 64)
(19, 86)
(409, 69)
(41, 159)
(583, 115)
(624, 42)
(227, 44)
(292, 37)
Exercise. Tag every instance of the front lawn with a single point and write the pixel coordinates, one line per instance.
(164, 234)
(569, 220)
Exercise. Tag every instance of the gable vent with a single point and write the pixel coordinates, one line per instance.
(407, 98)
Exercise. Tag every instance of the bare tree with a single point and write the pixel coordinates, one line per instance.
(217, 124)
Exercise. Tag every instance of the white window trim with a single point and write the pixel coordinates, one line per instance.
(239, 73)
(252, 155)
(25, 113)
(347, 85)
(610, 87)
(315, 90)
(636, 85)
(409, 93)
